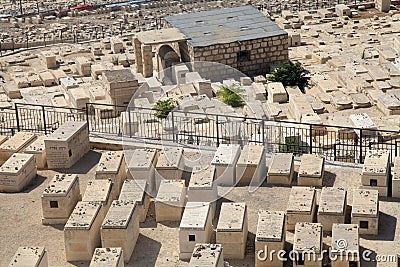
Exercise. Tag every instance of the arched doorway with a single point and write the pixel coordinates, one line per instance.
(167, 57)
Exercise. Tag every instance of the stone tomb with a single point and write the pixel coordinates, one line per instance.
(332, 207)
(82, 231)
(112, 166)
(225, 160)
(301, 206)
(136, 190)
(281, 169)
(396, 178)
(107, 257)
(17, 172)
(345, 245)
(376, 171)
(270, 235)
(38, 149)
(120, 227)
(365, 210)
(251, 165)
(276, 93)
(99, 191)
(207, 255)
(141, 166)
(195, 227)
(311, 170)
(170, 200)
(308, 244)
(15, 144)
(364, 122)
(29, 257)
(66, 145)
(170, 164)
(59, 198)
(232, 229)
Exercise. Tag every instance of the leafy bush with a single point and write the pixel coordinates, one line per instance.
(164, 107)
(115, 60)
(290, 74)
(230, 95)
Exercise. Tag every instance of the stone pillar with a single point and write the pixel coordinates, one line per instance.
(147, 61)
(383, 5)
(138, 55)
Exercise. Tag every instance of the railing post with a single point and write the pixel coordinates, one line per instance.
(311, 150)
(130, 122)
(173, 126)
(263, 132)
(87, 116)
(17, 116)
(217, 124)
(361, 146)
(44, 120)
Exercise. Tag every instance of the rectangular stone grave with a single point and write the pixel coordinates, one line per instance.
(301, 206)
(376, 171)
(82, 231)
(107, 257)
(29, 257)
(120, 227)
(225, 160)
(38, 149)
(59, 198)
(17, 172)
(308, 241)
(66, 145)
(99, 191)
(207, 255)
(15, 144)
(170, 200)
(332, 207)
(112, 166)
(232, 229)
(170, 163)
(311, 170)
(251, 165)
(270, 235)
(195, 227)
(281, 169)
(364, 122)
(396, 178)
(365, 210)
(137, 191)
(276, 93)
(345, 245)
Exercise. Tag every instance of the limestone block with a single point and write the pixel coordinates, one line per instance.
(117, 46)
(332, 207)
(345, 245)
(376, 170)
(15, 144)
(245, 81)
(59, 198)
(107, 257)
(82, 231)
(259, 91)
(311, 170)
(120, 227)
(99, 191)
(383, 5)
(79, 97)
(251, 166)
(232, 229)
(363, 121)
(360, 100)
(179, 73)
(281, 169)
(225, 160)
(112, 166)
(388, 104)
(342, 10)
(207, 255)
(170, 163)
(396, 178)
(365, 211)
(29, 257)
(201, 185)
(47, 78)
(49, 59)
(137, 191)
(301, 206)
(299, 106)
(83, 66)
(276, 93)
(170, 200)
(341, 101)
(308, 239)
(66, 145)
(271, 233)
(68, 83)
(195, 227)
(17, 172)
(38, 149)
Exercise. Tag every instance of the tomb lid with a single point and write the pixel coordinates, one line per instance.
(206, 255)
(37, 145)
(332, 201)
(67, 131)
(232, 217)
(171, 192)
(170, 158)
(120, 214)
(110, 162)
(365, 203)
(396, 172)
(311, 166)
(83, 215)
(345, 238)
(60, 185)
(17, 163)
(134, 190)
(282, 164)
(202, 179)
(16, 142)
(140, 158)
(28, 256)
(98, 190)
(251, 155)
(376, 162)
(301, 199)
(119, 76)
(226, 154)
(307, 237)
(271, 226)
(106, 257)
(195, 216)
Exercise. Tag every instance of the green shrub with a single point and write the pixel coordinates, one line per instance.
(230, 95)
(164, 107)
(115, 60)
(290, 74)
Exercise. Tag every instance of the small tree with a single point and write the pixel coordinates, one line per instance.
(290, 74)
(164, 107)
(230, 95)
(115, 60)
